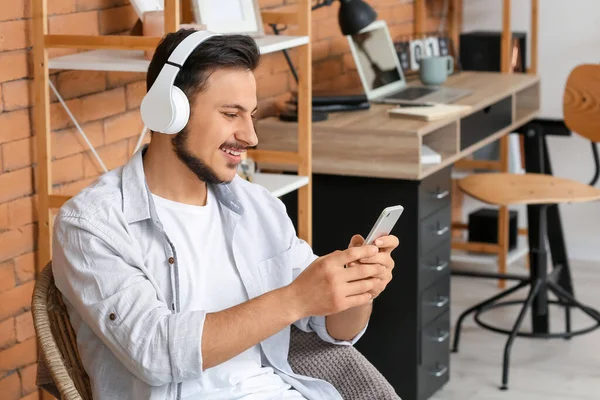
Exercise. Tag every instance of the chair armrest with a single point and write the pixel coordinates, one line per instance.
(342, 366)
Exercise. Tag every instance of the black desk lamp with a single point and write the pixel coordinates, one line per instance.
(353, 16)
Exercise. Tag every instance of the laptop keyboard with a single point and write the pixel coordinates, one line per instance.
(412, 93)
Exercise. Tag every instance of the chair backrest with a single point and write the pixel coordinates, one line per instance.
(57, 342)
(581, 101)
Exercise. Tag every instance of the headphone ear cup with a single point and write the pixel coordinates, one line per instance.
(181, 111)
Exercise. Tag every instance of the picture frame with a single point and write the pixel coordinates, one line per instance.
(229, 16)
(432, 46)
(417, 51)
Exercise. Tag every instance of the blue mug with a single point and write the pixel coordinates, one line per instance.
(435, 70)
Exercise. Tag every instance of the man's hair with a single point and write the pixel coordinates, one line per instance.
(217, 52)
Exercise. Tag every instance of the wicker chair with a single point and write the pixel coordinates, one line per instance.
(61, 373)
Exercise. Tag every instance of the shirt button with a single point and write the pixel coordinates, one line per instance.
(112, 316)
(171, 260)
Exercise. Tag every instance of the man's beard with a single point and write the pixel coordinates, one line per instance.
(196, 165)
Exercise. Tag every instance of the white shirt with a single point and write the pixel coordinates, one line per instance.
(210, 281)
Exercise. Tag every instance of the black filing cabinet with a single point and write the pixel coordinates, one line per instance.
(408, 335)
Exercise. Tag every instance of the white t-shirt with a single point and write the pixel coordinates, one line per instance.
(209, 281)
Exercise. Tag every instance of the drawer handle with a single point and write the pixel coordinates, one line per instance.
(443, 335)
(439, 267)
(441, 195)
(441, 370)
(442, 231)
(440, 302)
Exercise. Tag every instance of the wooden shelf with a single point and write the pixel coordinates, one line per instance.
(461, 257)
(134, 60)
(280, 184)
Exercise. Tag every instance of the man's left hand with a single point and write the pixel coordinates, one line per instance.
(386, 245)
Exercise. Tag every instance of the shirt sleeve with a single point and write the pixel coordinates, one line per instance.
(117, 300)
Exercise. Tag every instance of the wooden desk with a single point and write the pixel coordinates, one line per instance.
(364, 161)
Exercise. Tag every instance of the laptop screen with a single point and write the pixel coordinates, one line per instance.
(376, 60)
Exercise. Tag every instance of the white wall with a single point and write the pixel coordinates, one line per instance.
(569, 35)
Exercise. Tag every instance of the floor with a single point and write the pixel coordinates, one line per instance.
(539, 369)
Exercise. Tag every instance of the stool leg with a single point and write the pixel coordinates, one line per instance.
(532, 293)
(502, 243)
(560, 292)
(536, 215)
(478, 306)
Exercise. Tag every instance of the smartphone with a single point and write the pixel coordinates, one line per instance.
(385, 223)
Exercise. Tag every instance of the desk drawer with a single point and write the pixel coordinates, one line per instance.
(433, 375)
(434, 265)
(485, 122)
(435, 301)
(435, 339)
(434, 192)
(434, 230)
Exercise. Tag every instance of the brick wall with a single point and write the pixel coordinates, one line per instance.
(106, 105)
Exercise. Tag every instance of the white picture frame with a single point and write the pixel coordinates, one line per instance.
(417, 51)
(432, 46)
(143, 6)
(229, 16)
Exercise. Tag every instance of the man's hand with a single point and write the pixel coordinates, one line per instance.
(386, 245)
(326, 287)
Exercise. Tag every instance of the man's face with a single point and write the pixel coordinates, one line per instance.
(221, 126)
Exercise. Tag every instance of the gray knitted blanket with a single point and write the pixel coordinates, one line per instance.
(342, 366)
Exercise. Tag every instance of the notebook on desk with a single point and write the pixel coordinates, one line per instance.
(434, 112)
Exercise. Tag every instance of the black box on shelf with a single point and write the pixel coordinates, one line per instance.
(480, 51)
(483, 227)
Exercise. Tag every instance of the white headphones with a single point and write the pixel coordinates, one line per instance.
(165, 108)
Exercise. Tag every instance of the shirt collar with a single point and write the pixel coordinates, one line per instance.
(137, 199)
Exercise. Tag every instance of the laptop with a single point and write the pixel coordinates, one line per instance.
(381, 74)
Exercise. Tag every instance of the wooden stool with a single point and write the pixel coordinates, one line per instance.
(538, 191)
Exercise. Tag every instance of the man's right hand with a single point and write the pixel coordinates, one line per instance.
(326, 287)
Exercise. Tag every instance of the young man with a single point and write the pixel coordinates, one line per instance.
(182, 279)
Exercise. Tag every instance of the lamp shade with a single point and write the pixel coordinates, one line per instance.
(355, 15)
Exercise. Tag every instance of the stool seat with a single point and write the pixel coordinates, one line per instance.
(504, 189)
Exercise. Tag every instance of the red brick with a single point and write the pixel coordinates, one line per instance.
(272, 86)
(8, 335)
(403, 13)
(24, 326)
(25, 267)
(16, 184)
(67, 142)
(10, 387)
(14, 34)
(116, 20)
(135, 92)
(16, 242)
(21, 212)
(17, 154)
(87, 5)
(18, 356)
(326, 30)
(339, 45)
(15, 9)
(1, 99)
(326, 70)
(14, 302)
(79, 83)
(84, 23)
(4, 222)
(321, 50)
(61, 7)
(7, 276)
(113, 156)
(67, 169)
(59, 119)
(118, 78)
(28, 379)
(15, 65)
(102, 105)
(18, 94)
(14, 125)
(32, 396)
(122, 126)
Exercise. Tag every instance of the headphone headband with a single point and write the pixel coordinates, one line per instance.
(165, 108)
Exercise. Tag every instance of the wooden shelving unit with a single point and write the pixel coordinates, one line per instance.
(497, 253)
(126, 53)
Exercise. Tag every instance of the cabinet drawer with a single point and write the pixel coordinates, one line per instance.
(434, 192)
(435, 300)
(433, 375)
(485, 122)
(434, 264)
(435, 339)
(434, 230)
